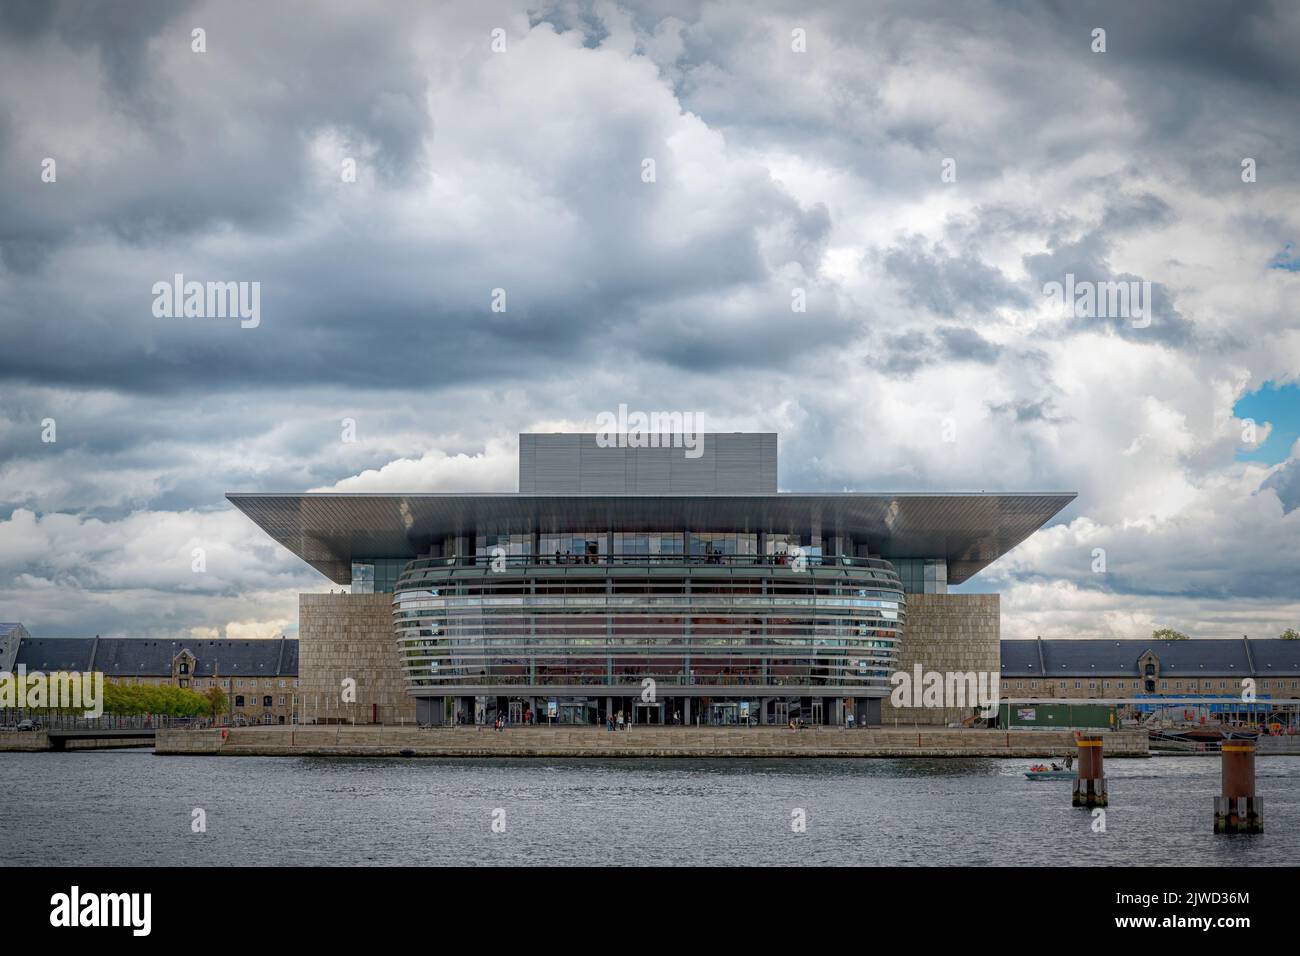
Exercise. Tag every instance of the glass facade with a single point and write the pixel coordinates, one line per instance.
(922, 575)
(376, 575)
(537, 628)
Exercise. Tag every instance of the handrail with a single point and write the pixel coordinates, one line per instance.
(650, 560)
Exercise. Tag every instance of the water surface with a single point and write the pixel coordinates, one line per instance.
(131, 807)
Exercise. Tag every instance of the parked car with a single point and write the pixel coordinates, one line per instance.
(28, 725)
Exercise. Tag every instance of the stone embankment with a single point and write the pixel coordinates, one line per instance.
(381, 741)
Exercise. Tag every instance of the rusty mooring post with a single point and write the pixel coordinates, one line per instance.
(1090, 785)
(1238, 810)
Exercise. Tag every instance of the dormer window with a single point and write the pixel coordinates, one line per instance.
(185, 667)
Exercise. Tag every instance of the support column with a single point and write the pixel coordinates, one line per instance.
(1238, 810)
(686, 712)
(1090, 786)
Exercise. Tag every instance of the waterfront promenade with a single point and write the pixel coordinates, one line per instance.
(380, 741)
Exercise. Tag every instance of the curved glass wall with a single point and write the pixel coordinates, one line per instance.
(592, 621)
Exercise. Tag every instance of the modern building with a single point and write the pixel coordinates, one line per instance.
(260, 677)
(640, 575)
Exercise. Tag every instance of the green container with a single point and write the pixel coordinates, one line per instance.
(1057, 715)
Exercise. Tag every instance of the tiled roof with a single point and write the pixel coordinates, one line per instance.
(133, 656)
(1107, 658)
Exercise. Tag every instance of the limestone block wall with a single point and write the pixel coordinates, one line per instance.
(350, 635)
(947, 632)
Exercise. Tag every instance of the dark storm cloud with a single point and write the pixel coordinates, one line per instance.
(912, 351)
(946, 284)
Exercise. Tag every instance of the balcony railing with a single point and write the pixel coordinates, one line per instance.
(652, 560)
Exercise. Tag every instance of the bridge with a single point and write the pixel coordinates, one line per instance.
(53, 731)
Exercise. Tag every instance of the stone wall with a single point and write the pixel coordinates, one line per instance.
(350, 635)
(947, 633)
(638, 742)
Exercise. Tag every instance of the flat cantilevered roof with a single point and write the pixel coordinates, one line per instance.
(327, 530)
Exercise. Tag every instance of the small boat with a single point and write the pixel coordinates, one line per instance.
(1047, 772)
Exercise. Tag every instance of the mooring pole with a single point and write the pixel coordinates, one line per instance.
(1238, 810)
(1090, 785)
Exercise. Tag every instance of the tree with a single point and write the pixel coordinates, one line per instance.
(1289, 635)
(136, 699)
(1168, 634)
(218, 702)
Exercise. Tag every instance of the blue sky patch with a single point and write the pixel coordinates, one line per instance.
(1279, 406)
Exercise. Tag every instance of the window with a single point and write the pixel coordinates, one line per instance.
(1020, 685)
(1033, 685)
(1105, 685)
(239, 700)
(281, 683)
(1164, 685)
(1078, 685)
(280, 700)
(1092, 685)
(185, 668)
(266, 701)
(1004, 684)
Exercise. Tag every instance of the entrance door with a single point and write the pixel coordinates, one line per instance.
(817, 712)
(780, 713)
(516, 712)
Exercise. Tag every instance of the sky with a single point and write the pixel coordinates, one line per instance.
(650, 190)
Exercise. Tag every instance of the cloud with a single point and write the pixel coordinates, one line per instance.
(778, 176)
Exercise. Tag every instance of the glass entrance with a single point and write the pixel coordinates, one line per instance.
(817, 712)
(516, 712)
(780, 712)
(724, 714)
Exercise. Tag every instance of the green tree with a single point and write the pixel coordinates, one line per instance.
(136, 699)
(218, 702)
(1168, 634)
(1290, 634)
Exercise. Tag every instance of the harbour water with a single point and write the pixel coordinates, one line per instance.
(129, 807)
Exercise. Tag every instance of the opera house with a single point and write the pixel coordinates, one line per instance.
(670, 588)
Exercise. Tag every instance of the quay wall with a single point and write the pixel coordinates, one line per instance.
(385, 741)
(14, 741)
